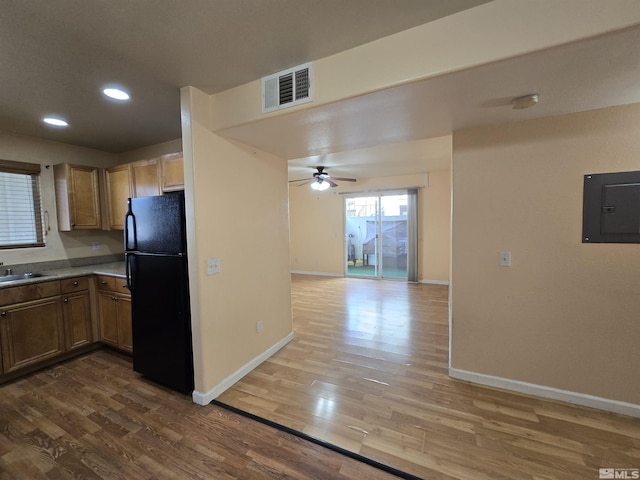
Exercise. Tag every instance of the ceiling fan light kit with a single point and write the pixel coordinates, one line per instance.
(320, 185)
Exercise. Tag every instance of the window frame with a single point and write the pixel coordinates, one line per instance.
(33, 170)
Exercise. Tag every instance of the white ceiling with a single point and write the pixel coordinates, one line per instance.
(57, 54)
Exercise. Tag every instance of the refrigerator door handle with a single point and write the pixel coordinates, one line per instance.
(128, 257)
(129, 214)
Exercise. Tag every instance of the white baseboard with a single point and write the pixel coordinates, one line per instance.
(322, 274)
(205, 398)
(434, 282)
(576, 398)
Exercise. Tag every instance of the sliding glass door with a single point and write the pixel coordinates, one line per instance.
(378, 236)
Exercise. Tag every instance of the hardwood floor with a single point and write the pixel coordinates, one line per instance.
(94, 418)
(368, 371)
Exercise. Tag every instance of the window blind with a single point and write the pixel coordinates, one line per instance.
(20, 205)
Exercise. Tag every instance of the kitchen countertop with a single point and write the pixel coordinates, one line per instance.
(115, 269)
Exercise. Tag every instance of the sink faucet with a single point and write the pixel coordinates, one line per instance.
(8, 271)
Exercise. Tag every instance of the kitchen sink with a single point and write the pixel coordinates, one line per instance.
(22, 276)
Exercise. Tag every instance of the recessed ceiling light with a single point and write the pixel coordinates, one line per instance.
(56, 122)
(116, 93)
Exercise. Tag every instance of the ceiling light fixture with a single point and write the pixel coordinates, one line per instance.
(55, 122)
(116, 94)
(525, 101)
(320, 185)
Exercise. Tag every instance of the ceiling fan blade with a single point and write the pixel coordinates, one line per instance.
(343, 179)
(301, 180)
(330, 182)
(306, 182)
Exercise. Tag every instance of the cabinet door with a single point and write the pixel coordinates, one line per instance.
(118, 190)
(108, 312)
(86, 197)
(31, 332)
(125, 336)
(77, 319)
(172, 172)
(77, 197)
(145, 175)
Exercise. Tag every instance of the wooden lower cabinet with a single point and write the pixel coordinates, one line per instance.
(77, 319)
(31, 332)
(41, 321)
(76, 308)
(125, 333)
(114, 310)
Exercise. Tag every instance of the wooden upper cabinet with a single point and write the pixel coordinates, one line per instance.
(145, 178)
(77, 197)
(172, 166)
(118, 184)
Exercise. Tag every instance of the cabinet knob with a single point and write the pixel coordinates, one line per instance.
(3, 314)
(103, 282)
(66, 300)
(75, 284)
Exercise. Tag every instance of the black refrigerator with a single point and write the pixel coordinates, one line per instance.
(156, 267)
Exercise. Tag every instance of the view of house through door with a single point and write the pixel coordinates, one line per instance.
(377, 235)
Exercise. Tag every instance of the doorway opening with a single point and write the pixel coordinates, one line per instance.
(379, 231)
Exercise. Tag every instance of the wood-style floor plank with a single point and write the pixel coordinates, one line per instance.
(94, 418)
(368, 371)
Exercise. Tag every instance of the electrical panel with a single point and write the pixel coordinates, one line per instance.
(611, 208)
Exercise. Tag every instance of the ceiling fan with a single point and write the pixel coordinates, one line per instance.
(321, 180)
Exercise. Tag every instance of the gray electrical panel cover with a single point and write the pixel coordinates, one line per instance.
(611, 208)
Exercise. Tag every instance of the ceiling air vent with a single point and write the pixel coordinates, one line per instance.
(287, 88)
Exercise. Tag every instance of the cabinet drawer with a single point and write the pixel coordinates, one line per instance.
(24, 293)
(104, 282)
(70, 285)
(113, 284)
(121, 286)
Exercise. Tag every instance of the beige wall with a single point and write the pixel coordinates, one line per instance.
(59, 245)
(317, 225)
(151, 151)
(565, 315)
(237, 210)
(317, 230)
(434, 234)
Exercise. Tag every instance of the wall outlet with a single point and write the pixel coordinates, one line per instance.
(96, 245)
(505, 259)
(213, 266)
(259, 326)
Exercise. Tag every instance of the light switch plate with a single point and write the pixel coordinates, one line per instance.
(213, 266)
(505, 259)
